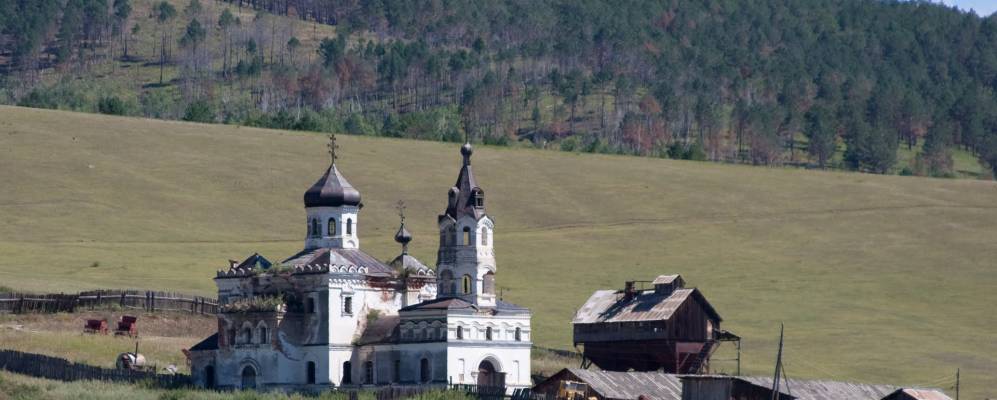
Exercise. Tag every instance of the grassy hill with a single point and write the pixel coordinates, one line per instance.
(878, 278)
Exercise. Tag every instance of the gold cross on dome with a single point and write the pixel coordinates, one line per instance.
(332, 147)
(400, 206)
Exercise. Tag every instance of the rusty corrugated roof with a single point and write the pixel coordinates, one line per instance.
(612, 306)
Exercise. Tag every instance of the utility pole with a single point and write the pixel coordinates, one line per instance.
(957, 384)
(778, 365)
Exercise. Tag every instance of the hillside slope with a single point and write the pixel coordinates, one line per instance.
(878, 278)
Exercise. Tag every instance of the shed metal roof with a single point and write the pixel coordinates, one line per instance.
(611, 306)
(828, 390)
(631, 385)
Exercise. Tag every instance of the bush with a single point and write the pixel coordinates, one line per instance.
(158, 104)
(199, 111)
(60, 96)
(111, 105)
(356, 124)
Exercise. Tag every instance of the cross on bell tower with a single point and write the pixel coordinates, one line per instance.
(332, 147)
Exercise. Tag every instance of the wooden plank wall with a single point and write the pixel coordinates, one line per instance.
(151, 301)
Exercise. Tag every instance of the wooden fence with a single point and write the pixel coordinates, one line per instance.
(151, 301)
(55, 368)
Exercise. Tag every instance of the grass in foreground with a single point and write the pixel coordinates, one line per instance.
(882, 279)
(20, 387)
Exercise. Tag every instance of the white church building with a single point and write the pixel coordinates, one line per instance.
(333, 316)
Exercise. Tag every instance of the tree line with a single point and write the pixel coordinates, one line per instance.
(846, 84)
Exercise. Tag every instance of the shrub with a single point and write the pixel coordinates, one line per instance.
(157, 104)
(111, 105)
(199, 111)
(356, 124)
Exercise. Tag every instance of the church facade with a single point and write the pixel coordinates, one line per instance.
(332, 315)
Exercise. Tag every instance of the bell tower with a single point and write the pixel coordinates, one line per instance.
(332, 206)
(466, 258)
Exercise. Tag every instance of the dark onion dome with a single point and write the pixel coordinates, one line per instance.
(403, 236)
(465, 197)
(332, 190)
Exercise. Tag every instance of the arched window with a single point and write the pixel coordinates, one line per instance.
(310, 373)
(466, 284)
(488, 283)
(479, 198)
(484, 236)
(247, 335)
(467, 236)
(349, 226)
(310, 305)
(424, 374)
(332, 227)
(347, 373)
(488, 333)
(368, 372)
(460, 332)
(315, 229)
(451, 235)
(263, 334)
(519, 335)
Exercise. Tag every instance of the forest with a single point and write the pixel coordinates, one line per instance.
(880, 86)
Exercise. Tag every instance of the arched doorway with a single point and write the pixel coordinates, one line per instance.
(249, 377)
(488, 375)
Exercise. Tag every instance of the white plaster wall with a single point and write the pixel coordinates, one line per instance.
(464, 355)
(342, 216)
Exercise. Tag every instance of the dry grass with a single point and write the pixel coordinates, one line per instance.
(878, 278)
(161, 336)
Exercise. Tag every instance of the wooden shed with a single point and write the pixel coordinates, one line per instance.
(666, 327)
(717, 387)
(615, 385)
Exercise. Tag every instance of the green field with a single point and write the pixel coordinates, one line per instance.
(882, 279)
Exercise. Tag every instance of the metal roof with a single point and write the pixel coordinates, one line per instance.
(210, 343)
(612, 306)
(666, 279)
(827, 390)
(921, 394)
(442, 303)
(631, 385)
(381, 330)
(332, 190)
(341, 259)
(463, 203)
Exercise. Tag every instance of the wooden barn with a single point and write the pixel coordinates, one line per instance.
(667, 327)
(613, 385)
(657, 385)
(716, 387)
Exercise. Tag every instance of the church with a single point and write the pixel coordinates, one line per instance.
(334, 316)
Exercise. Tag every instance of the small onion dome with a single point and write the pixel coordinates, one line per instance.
(332, 190)
(466, 150)
(403, 236)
